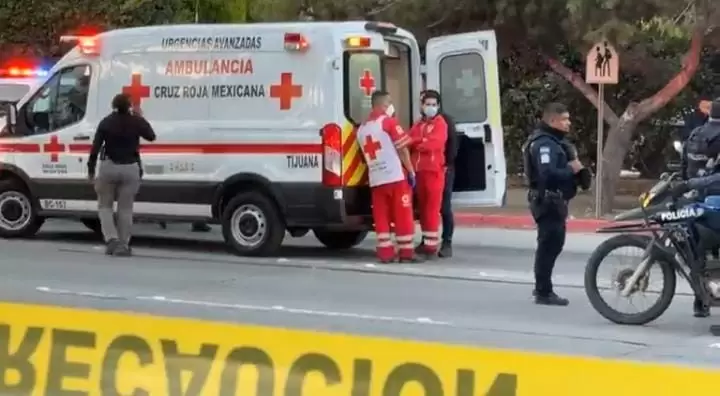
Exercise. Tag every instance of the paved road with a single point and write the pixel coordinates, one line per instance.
(481, 297)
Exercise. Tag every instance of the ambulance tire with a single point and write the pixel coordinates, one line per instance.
(340, 240)
(256, 214)
(13, 192)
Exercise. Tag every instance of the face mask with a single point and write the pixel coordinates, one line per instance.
(430, 111)
(390, 110)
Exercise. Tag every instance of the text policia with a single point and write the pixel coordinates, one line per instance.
(47, 351)
(67, 361)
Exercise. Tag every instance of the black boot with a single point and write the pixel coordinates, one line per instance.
(111, 246)
(700, 310)
(551, 299)
(446, 250)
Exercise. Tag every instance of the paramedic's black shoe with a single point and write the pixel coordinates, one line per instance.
(445, 250)
(111, 246)
(700, 310)
(551, 299)
(419, 249)
(200, 227)
(386, 261)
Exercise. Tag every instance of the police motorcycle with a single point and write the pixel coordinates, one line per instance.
(675, 237)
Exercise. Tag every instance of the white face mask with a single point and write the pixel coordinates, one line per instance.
(390, 111)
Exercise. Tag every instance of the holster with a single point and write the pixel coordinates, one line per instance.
(549, 204)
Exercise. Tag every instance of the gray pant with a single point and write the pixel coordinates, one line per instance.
(119, 182)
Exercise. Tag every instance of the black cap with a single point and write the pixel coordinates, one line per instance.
(715, 109)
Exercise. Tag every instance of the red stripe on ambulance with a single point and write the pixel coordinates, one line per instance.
(218, 148)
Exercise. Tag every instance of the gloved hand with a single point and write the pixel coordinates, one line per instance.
(584, 178)
(411, 180)
(679, 190)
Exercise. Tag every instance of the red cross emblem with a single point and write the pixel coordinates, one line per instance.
(136, 90)
(367, 82)
(54, 147)
(286, 91)
(371, 147)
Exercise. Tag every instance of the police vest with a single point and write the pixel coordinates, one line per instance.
(381, 157)
(697, 150)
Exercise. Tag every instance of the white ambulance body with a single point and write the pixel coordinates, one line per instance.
(16, 80)
(255, 125)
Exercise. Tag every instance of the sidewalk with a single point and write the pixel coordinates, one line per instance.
(516, 215)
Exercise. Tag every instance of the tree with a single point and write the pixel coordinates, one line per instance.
(639, 42)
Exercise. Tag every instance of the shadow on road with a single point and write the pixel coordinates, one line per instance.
(205, 245)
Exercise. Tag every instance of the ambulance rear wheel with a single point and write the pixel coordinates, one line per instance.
(340, 240)
(18, 211)
(252, 225)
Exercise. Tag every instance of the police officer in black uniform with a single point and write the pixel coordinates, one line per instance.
(701, 149)
(554, 173)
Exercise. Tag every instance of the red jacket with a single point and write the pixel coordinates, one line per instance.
(428, 144)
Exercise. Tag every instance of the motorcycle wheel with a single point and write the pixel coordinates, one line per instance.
(602, 307)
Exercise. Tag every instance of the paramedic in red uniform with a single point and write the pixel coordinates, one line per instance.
(392, 177)
(429, 136)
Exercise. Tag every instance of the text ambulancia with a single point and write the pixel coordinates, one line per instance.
(255, 125)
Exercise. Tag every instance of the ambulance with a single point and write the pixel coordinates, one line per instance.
(255, 125)
(17, 77)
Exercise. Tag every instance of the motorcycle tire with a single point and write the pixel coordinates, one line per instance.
(597, 301)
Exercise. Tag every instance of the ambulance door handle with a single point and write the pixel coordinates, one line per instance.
(79, 138)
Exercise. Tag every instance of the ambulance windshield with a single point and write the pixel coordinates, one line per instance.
(363, 76)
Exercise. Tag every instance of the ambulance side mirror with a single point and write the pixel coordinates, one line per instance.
(11, 117)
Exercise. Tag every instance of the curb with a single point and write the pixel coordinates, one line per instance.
(520, 222)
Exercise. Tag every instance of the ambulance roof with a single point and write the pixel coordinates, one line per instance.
(152, 33)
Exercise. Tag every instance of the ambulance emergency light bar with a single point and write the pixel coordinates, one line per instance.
(88, 45)
(13, 71)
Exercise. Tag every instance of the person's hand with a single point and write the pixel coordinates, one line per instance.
(576, 165)
(678, 191)
(411, 180)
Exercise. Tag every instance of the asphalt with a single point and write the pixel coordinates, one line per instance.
(480, 297)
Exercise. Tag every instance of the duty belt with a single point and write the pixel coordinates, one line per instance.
(535, 194)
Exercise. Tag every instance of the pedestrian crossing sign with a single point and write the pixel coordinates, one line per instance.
(602, 65)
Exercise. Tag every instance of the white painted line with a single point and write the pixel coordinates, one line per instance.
(298, 311)
(370, 265)
(76, 293)
(715, 345)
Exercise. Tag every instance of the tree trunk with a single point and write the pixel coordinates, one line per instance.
(618, 138)
(617, 145)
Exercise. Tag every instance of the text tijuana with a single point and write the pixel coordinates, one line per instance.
(189, 373)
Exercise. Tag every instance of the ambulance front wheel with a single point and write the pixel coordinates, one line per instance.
(18, 211)
(252, 225)
(340, 240)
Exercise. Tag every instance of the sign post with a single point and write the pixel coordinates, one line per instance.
(602, 66)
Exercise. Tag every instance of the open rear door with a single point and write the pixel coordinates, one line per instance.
(464, 69)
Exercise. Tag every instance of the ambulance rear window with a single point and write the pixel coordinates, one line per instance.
(363, 74)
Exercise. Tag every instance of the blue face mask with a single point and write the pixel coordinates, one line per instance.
(430, 111)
